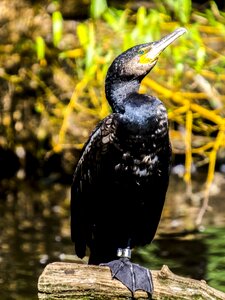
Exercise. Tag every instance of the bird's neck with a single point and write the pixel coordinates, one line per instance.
(117, 90)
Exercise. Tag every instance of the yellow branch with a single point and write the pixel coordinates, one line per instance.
(212, 156)
(188, 153)
(210, 176)
(208, 114)
(211, 75)
(178, 98)
(203, 148)
(210, 29)
(192, 95)
(177, 112)
(77, 91)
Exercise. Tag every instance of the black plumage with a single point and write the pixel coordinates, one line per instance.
(121, 179)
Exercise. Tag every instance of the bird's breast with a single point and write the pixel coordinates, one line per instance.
(139, 165)
(136, 166)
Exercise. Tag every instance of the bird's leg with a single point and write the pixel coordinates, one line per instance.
(124, 253)
(133, 276)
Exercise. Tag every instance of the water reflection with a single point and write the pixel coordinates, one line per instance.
(184, 257)
(32, 235)
(34, 230)
(201, 256)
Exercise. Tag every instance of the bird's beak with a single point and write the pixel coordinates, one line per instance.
(156, 48)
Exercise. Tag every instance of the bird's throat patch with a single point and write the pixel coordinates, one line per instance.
(146, 60)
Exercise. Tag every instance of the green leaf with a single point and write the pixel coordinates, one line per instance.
(97, 8)
(57, 27)
(82, 34)
(40, 48)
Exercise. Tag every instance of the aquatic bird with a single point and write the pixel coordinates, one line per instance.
(121, 179)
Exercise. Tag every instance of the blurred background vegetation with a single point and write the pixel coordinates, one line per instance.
(53, 60)
(54, 56)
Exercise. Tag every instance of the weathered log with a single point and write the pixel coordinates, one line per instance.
(61, 280)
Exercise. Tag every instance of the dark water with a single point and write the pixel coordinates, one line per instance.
(200, 257)
(34, 231)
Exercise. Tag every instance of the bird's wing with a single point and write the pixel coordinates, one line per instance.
(85, 177)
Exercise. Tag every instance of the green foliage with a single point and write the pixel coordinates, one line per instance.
(57, 27)
(86, 36)
(97, 8)
(40, 48)
(180, 9)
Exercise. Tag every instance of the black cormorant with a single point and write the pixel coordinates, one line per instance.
(121, 178)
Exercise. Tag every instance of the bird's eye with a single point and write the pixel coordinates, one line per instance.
(140, 52)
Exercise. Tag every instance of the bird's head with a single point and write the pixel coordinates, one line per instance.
(129, 68)
(138, 61)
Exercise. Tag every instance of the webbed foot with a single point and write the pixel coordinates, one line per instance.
(133, 276)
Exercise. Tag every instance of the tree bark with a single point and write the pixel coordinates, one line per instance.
(66, 281)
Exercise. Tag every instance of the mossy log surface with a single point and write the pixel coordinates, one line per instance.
(66, 281)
